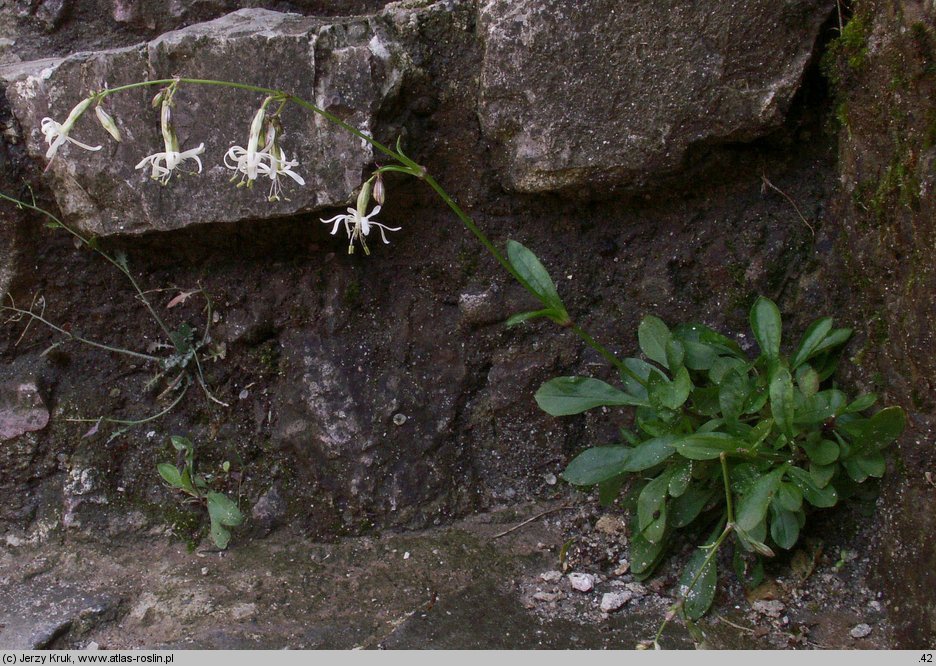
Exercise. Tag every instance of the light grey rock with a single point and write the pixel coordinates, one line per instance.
(612, 601)
(582, 582)
(602, 93)
(21, 409)
(347, 67)
(860, 631)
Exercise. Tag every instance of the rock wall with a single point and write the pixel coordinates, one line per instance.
(883, 70)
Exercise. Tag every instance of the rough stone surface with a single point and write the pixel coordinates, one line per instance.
(585, 95)
(346, 67)
(21, 409)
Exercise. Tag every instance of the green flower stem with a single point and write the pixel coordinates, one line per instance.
(129, 422)
(728, 502)
(120, 266)
(72, 336)
(713, 551)
(410, 167)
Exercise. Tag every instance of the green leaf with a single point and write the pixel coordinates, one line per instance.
(609, 489)
(814, 494)
(681, 475)
(650, 453)
(703, 577)
(643, 370)
(701, 334)
(808, 380)
(814, 335)
(223, 513)
(540, 284)
(645, 555)
(821, 474)
(684, 509)
(784, 527)
(766, 325)
(733, 394)
(820, 407)
(519, 318)
(171, 474)
(781, 400)
(597, 464)
(723, 365)
(859, 469)
(835, 339)
(223, 510)
(181, 443)
(884, 427)
(706, 446)
(564, 396)
(651, 508)
(789, 497)
(821, 451)
(220, 535)
(665, 394)
(861, 403)
(699, 356)
(752, 506)
(675, 355)
(653, 336)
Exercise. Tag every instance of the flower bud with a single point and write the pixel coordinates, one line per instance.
(363, 198)
(107, 122)
(380, 193)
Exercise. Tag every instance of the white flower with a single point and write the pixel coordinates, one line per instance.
(56, 134)
(163, 164)
(279, 165)
(244, 163)
(358, 226)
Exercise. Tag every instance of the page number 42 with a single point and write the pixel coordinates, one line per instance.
(927, 658)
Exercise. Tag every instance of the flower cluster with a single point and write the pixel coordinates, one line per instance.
(270, 161)
(263, 157)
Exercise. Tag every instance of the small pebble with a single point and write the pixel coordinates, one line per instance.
(547, 596)
(860, 630)
(243, 395)
(582, 582)
(613, 601)
(550, 479)
(622, 568)
(92, 646)
(771, 608)
(610, 525)
(406, 555)
(204, 571)
(551, 576)
(399, 419)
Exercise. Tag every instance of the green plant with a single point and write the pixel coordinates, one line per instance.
(222, 511)
(183, 353)
(724, 445)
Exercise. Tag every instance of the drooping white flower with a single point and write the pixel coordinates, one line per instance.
(57, 134)
(269, 161)
(164, 163)
(358, 227)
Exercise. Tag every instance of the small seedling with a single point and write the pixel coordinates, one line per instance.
(222, 511)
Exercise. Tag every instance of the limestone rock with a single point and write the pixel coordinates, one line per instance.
(602, 93)
(344, 66)
(21, 409)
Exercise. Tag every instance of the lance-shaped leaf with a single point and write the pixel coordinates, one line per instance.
(753, 505)
(223, 513)
(781, 400)
(813, 337)
(702, 576)
(597, 464)
(706, 446)
(537, 278)
(564, 396)
(765, 322)
(653, 336)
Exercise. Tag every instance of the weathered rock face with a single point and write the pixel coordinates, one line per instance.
(882, 71)
(592, 94)
(346, 67)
